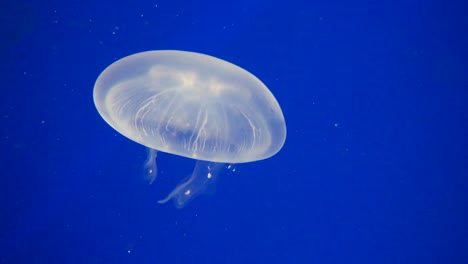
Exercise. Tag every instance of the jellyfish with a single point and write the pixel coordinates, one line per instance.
(192, 105)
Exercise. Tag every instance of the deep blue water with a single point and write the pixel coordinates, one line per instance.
(374, 168)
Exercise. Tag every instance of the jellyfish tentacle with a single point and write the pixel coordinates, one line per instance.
(150, 167)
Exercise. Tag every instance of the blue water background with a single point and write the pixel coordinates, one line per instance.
(374, 168)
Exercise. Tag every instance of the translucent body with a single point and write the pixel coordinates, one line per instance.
(192, 105)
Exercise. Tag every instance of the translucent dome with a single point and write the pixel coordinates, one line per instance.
(192, 105)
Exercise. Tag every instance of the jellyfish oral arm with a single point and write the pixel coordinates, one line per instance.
(203, 175)
(150, 168)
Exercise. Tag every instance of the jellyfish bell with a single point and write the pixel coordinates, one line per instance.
(192, 105)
